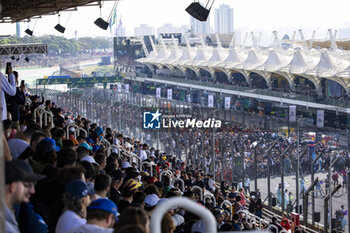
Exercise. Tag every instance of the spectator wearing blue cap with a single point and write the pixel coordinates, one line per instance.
(101, 216)
(76, 200)
(45, 158)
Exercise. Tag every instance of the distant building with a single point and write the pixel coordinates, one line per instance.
(143, 30)
(18, 29)
(198, 27)
(120, 32)
(169, 28)
(223, 19)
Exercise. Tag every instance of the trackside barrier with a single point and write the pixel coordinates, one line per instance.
(191, 206)
(138, 160)
(165, 173)
(209, 197)
(201, 190)
(181, 181)
(149, 164)
(226, 202)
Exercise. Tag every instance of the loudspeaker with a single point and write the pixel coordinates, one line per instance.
(60, 28)
(29, 32)
(273, 201)
(101, 23)
(317, 217)
(196, 10)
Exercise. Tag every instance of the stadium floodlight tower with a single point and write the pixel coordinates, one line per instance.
(197, 11)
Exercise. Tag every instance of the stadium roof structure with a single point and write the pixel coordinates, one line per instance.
(312, 64)
(19, 10)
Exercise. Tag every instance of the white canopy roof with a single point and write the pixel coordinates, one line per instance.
(274, 62)
(253, 60)
(326, 67)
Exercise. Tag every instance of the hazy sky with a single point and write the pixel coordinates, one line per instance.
(266, 15)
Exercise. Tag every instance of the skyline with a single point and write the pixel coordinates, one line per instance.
(265, 16)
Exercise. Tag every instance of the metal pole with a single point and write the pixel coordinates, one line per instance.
(282, 176)
(330, 191)
(348, 185)
(255, 170)
(298, 165)
(312, 181)
(213, 156)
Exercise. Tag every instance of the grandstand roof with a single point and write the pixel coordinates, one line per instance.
(18, 10)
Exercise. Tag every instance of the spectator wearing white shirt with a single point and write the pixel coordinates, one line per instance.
(143, 154)
(8, 87)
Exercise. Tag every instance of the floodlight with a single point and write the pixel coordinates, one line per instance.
(101, 23)
(197, 11)
(29, 32)
(60, 28)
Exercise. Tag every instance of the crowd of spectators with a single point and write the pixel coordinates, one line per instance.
(60, 182)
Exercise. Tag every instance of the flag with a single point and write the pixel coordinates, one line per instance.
(114, 18)
(120, 22)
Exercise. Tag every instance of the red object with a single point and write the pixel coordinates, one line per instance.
(285, 224)
(295, 221)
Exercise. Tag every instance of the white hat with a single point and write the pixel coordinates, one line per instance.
(125, 165)
(90, 159)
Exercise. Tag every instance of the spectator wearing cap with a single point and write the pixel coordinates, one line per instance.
(76, 200)
(130, 187)
(117, 180)
(18, 189)
(45, 158)
(151, 202)
(101, 217)
(34, 141)
(102, 185)
(8, 87)
(84, 153)
(28, 221)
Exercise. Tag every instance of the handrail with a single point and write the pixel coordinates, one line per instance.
(197, 187)
(107, 144)
(207, 196)
(75, 131)
(272, 226)
(229, 204)
(38, 109)
(148, 163)
(190, 206)
(138, 159)
(42, 111)
(83, 130)
(181, 181)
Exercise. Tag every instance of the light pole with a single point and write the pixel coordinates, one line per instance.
(312, 181)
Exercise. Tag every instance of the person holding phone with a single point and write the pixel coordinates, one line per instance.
(8, 87)
(14, 102)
